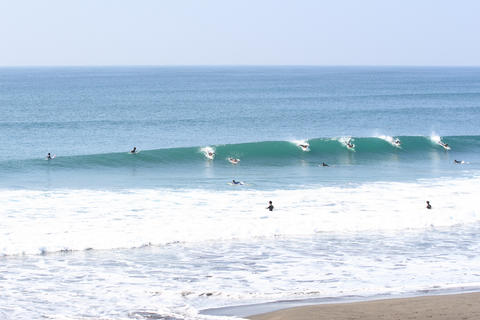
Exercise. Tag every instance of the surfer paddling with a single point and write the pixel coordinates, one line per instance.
(233, 160)
(49, 156)
(134, 150)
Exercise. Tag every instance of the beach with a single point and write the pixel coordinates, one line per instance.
(444, 307)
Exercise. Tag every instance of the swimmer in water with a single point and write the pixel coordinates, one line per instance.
(134, 150)
(270, 206)
(429, 206)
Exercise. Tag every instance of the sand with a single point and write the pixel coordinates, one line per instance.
(445, 307)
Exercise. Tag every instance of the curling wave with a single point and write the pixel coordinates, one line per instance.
(263, 152)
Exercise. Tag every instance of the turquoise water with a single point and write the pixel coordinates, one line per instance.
(98, 232)
(91, 117)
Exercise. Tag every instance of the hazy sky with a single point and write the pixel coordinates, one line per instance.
(223, 32)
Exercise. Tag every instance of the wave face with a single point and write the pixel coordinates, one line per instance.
(265, 152)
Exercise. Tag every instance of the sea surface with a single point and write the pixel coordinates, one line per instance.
(98, 232)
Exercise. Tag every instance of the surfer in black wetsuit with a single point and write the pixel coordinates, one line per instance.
(429, 206)
(324, 164)
(458, 161)
(134, 150)
(236, 182)
(49, 157)
(270, 206)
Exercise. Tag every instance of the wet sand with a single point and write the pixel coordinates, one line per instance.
(445, 307)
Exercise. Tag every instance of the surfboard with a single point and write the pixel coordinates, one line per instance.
(442, 144)
(305, 148)
(304, 145)
(233, 161)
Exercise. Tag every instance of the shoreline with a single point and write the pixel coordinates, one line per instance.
(465, 306)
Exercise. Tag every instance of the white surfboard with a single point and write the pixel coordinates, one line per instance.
(233, 160)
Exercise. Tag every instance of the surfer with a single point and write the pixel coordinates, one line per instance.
(134, 150)
(233, 160)
(429, 206)
(49, 156)
(270, 206)
(236, 182)
(350, 144)
(458, 161)
(210, 153)
(324, 164)
(397, 142)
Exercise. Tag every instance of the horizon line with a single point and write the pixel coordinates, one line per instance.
(240, 65)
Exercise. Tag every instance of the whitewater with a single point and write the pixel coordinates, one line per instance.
(348, 156)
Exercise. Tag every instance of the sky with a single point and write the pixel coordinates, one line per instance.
(242, 32)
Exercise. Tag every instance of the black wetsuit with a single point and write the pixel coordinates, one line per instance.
(270, 207)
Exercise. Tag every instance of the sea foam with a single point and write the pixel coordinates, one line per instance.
(36, 222)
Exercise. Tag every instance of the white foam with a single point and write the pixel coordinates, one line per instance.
(208, 152)
(390, 140)
(344, 141)
(44, 221)
(435, 138)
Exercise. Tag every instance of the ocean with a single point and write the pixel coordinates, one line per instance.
(98, 232)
